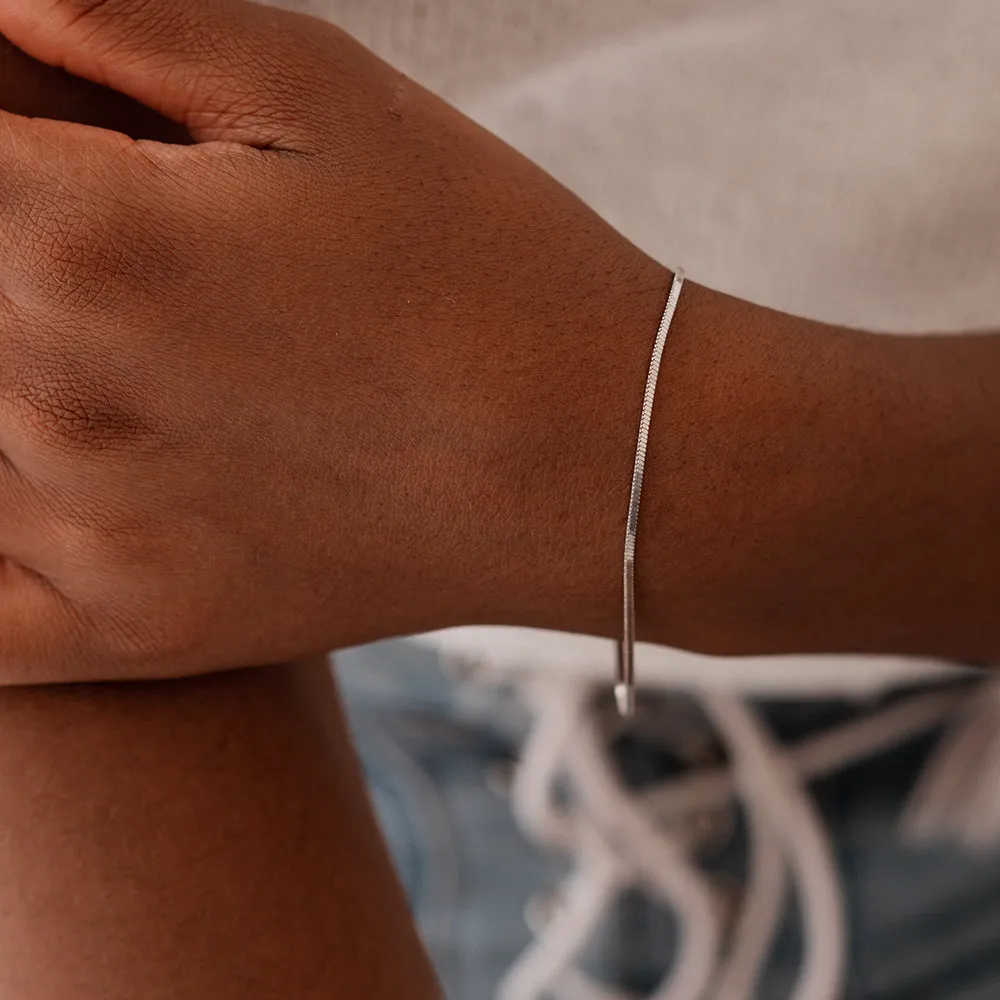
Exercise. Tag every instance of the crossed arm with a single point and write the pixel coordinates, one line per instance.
(205, 839)
(210, 837)
(348, 349)
(201, 839)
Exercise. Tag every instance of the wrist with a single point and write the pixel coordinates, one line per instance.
(836, 492)
(540, 444)
(808, 488)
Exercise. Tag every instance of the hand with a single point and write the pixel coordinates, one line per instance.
(275, 392)
(28, 87)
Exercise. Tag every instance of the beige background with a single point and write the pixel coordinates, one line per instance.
(839, 158)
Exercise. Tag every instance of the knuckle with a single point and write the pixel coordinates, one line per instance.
(62, 412)
(83, 254)
(64, 403)
(92, 240)
(71, 253)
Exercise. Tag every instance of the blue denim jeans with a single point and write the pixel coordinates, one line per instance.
(924, 923)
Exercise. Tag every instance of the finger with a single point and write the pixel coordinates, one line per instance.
(213, 66)
(28, 87)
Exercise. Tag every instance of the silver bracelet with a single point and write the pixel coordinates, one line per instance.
(625, 674)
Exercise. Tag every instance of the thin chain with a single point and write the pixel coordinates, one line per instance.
(625, 676)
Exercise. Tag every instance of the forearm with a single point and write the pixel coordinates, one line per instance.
(464, 451)
(807, 488)
(205, 839)
(851, 500)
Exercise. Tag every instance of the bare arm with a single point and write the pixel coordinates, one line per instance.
(808, 488)
(207, 839)
(351, 351)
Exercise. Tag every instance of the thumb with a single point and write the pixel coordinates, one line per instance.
(202, 63)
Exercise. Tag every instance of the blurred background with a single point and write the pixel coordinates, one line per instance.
(923, 921)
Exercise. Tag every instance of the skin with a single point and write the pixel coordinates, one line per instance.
(210, 838)
(417, 362)
(205, 839)
(28, 87)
